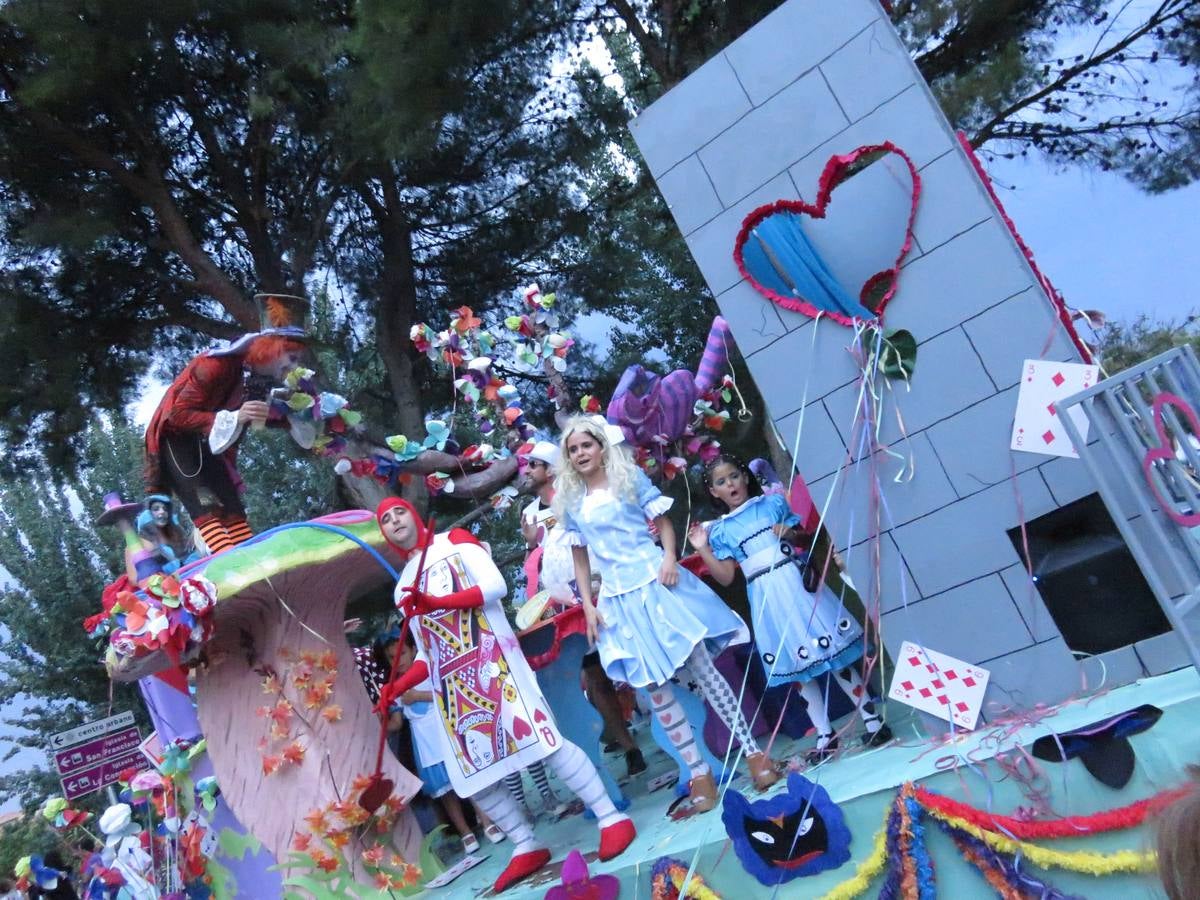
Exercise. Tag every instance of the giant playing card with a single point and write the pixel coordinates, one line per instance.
(938, 684)
(493, 716)
(1037, 427)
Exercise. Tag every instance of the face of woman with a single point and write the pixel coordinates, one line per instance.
(398, 527)
(728, 484)
(160, 514)
(584, 453)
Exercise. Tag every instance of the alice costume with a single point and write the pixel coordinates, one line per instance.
(799, 635)
(424, 725)
(650, 630)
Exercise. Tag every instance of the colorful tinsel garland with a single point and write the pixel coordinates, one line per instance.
(993, 844)
(669, 877)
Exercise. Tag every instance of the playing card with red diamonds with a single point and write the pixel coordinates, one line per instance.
(1037, 427)
(938, 684)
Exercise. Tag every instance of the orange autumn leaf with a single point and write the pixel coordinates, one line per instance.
(382, 881)
(271, 685)
(309, 657)
(301, 840)
(328, 864)
(361, 783)
(270, 764)
(317, 695)
(281, 714)
(302, 678)
(317, 822)
(332, 713)
(338, 839)
(374, 856)
(328, 661)
(294, 753)
(410, 876)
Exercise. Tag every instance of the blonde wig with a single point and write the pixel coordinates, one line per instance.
(619, 466)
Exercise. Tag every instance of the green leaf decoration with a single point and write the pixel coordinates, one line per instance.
(898, 354)
(431, 866)
(299, 402)
(235, 845)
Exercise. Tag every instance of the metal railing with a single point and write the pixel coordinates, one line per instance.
(1143, 449)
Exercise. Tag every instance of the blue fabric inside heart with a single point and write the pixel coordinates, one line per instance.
(781, 258)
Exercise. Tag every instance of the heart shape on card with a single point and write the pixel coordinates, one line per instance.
(775, 256)
(1165, 451)
(521, 729)
(538, 715)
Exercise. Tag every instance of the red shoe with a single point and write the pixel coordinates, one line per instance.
(616, 838)
(522, 865)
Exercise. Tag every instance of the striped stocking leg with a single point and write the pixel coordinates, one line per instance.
(670, 715)
(538, 773)
(516, 786)
(213, 533)
(502, 809)
(238, 528)
(852, 683)
(721, 698)
(578, 773)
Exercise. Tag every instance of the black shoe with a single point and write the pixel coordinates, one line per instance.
(820, 754)
(879, 738)
(635, 761)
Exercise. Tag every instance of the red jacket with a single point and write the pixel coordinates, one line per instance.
(208, 384)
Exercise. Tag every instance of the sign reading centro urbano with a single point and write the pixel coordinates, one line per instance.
(90, 757)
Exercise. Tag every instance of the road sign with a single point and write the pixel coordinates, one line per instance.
(89, 758)
(90, 730)
(82, 782)
(85, 756)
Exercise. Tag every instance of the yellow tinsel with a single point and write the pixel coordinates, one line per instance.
(865, 873)
(1075, 860)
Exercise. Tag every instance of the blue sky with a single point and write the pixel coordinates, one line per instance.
(1103, 242)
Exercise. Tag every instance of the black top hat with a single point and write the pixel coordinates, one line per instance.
(284, 314)
(1103, 747)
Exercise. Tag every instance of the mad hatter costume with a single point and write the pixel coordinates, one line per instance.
(191, 441)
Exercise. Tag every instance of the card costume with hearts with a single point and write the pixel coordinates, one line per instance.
(492, 716)
(798, 634)
(486, 695)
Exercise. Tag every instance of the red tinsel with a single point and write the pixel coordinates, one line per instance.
(1071, 826)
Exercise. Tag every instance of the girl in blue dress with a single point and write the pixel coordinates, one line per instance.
(652, 618)
(801, 629)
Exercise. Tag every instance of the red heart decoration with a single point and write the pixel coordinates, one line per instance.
(538, 715)
(836, 170)
(1164, 451)
(521, 729)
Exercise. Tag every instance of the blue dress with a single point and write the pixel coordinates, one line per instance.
(799, 635)
(650, 630)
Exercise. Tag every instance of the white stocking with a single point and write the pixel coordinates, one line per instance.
(721, 698)
(852, 683)
(670, 715)
(578, 773)
(499, 806)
